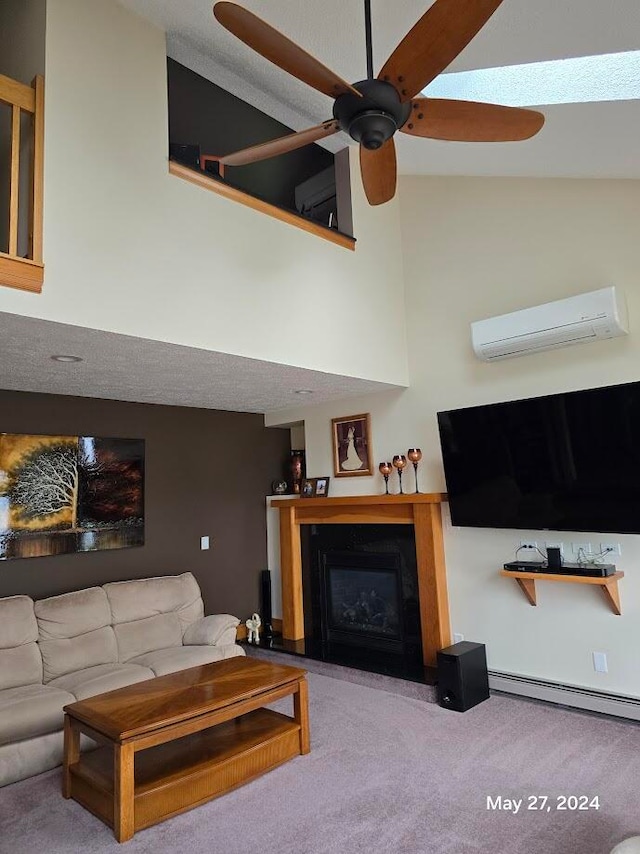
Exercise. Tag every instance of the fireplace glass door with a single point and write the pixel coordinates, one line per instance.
(362, 599)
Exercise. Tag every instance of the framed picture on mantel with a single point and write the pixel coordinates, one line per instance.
(315, 487)
(351, 438)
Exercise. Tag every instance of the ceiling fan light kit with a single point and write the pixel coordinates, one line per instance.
(371, 111)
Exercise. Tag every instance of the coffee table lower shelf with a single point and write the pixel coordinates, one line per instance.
(181, 774)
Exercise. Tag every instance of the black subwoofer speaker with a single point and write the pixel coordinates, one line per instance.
(265, 597)
(463, 681)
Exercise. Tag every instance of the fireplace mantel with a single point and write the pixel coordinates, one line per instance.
(422, 510)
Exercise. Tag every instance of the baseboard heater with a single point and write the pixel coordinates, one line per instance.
(566, 695)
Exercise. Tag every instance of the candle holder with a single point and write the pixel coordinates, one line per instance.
(415, 455)
(400, 461)
(385, 470)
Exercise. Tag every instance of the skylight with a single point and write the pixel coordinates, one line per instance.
(584, 79)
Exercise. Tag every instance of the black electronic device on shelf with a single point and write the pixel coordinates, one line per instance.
(600, 570)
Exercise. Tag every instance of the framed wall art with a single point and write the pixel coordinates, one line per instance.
(66, 494)
(351, 438)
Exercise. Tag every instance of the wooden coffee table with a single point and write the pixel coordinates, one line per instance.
(174, 742)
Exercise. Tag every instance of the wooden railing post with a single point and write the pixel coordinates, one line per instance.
(14, 180)
(37, 174)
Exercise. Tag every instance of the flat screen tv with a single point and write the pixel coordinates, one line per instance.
(565, 462)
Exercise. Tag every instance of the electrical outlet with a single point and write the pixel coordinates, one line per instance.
(528, 544)
(610, 548)
(584, 547)
(204, 543)
(600, 662)
(560, 546)
(457, 637)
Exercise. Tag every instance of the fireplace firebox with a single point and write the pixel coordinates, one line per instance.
(361, 597)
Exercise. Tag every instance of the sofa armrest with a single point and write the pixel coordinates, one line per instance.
(215, 630)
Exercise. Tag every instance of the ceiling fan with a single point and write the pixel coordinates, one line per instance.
(372, 110)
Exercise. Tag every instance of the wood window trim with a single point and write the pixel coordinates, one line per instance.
(209, 183)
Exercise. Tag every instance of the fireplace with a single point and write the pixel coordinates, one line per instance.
(361, 597)
(424, 607)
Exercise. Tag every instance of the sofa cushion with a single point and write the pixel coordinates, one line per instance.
(20, 662)
(142, 636)
(74, 632)
(214, 629)
(72, 614)
(21, 665)
(67, 655)
(163, 661)
(148, 597)
(98, 680)
(17, 622)
(31, 710)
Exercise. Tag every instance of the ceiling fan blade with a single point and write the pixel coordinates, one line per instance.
(470, 121)
(444, 30)
(281, 145)
(280, 50)
(379, 172)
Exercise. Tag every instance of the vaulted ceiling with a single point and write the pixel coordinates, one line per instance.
(596, 139)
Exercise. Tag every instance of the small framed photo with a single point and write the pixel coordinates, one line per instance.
(352, 453)
(315, 487)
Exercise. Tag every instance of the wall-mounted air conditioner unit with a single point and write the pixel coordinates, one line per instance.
(588, 317)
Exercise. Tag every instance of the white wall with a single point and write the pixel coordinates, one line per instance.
(474, 248)
(133, 250)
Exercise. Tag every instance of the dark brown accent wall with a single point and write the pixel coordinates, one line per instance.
(207, 472)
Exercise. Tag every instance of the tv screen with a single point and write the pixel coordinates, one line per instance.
(565, 462)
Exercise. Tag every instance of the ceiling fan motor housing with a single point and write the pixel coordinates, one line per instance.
(374, 118)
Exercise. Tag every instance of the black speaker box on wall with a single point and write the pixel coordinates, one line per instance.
(463, 681)
(554, 557)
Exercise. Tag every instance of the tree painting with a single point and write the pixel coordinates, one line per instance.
(45, 483)
(61, 494)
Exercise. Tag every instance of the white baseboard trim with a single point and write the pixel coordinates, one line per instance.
(566, 695)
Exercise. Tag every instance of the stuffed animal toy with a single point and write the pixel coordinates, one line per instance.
(254, 629)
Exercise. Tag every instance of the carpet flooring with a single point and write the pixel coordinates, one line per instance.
(387, 773)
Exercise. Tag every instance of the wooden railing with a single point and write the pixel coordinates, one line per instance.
(24, 271)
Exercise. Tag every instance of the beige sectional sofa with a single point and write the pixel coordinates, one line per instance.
(66, 648)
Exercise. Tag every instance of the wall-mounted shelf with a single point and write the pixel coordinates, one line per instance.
(527, 583)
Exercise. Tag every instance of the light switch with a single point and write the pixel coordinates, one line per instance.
(600, 662)
(204, 543)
